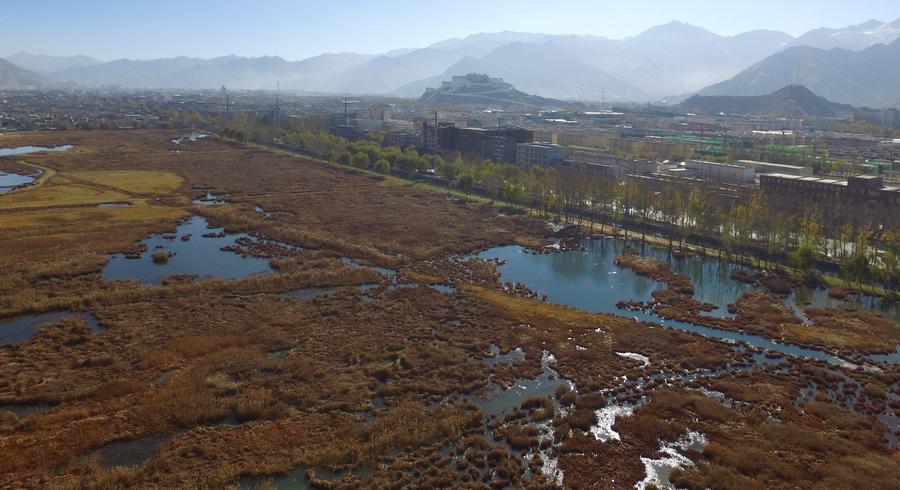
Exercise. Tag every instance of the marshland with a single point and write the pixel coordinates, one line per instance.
(336, 328)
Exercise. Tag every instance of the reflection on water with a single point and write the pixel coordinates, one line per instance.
(23, 328)
(9, 181)
(130, 453)
(200, 255)
(589, 280)
(22, 150)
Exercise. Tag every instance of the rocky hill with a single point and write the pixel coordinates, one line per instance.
(791, 101)
(479, 89)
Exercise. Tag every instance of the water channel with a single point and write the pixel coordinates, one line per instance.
(590, 280)
(11, 180)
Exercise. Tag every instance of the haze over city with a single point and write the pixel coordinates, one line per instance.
(108, 29)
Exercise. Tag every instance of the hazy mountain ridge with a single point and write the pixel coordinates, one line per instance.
(13, 77)
(861, 78)
(790, 101)
(232, 71)
(47, 65)
(544, 69)
(674, 58)
(854, 38)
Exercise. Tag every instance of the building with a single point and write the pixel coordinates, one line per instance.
(540, 154)
(497, 144)
(888, 118)
(720, 172)
(403, 139)
(431, 134)
(472, 80)
(609, 171)
(861, 195)
(776, 168)
(599, 156)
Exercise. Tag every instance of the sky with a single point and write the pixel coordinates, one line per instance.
(294, 30)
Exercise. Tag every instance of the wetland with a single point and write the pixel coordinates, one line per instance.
(354, 331)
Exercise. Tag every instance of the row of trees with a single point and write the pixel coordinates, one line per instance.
(695, 215)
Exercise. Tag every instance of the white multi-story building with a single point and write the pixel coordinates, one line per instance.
(540, 154)
(720, 172)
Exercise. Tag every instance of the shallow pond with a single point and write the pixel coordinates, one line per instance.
(23, 328)
(23, 150)
(130, 453)
(199, 255)
(590, 280)
(9, 181)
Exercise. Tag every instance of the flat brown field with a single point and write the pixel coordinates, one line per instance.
(226, 383)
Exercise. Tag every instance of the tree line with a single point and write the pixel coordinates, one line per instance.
(867, 253)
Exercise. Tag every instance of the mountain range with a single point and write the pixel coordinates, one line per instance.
(661, 62)
(854, 38)
(790, 101)
(47, 65)
(13, 77)
(870, 77)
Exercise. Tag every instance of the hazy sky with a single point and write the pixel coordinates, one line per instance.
(109, 29)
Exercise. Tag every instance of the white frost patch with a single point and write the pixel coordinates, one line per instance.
(550, 463)
(636, 357)
(606, 418)
(658, 470)
(547, 359)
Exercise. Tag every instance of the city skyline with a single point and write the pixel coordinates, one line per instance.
(109, 30)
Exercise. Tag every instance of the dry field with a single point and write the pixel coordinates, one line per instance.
(220, 381)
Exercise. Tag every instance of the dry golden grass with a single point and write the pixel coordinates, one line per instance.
(133, 181)
(60, 192)
(139, 212)
(305, 376)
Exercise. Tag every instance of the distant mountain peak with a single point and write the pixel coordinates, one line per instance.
(871, 24)
(674, 30)
(13, 77)
(862, 78)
